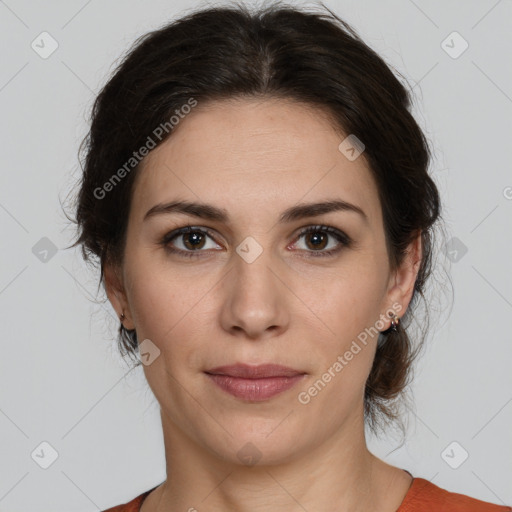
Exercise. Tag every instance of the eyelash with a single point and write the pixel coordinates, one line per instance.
(342, 238)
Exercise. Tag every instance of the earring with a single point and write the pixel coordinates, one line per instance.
(395, 323)
(122, 317)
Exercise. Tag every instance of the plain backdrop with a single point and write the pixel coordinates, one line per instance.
(65, 395)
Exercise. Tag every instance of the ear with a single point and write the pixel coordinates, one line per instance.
(116, 293)
(401, 283)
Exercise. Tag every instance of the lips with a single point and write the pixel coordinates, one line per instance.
(254, 383)
(246, 371)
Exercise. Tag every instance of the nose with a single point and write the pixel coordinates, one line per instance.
(255, 299)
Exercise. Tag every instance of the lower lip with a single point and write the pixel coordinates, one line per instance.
(255, 390)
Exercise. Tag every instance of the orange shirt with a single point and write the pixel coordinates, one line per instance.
(423, 496)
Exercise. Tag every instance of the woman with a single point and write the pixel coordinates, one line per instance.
(257, 192)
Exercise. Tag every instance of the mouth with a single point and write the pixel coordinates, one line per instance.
(254, 383)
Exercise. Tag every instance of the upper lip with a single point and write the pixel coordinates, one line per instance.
(254, 372)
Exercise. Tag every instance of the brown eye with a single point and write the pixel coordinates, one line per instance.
(318, 238)
(188, 241)
(193, 240)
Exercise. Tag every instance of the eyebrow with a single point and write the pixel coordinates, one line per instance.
(211, 212)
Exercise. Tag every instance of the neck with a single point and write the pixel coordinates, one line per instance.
(339, 474)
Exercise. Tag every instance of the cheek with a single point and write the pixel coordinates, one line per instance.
(167, 313)
(349, 311)
(161, 298)
(346, 301)
(171, 309)
(346, 306)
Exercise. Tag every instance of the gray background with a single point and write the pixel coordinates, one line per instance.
(61, 380)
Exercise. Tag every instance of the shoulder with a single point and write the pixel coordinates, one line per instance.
(131, 506)
(424, 496)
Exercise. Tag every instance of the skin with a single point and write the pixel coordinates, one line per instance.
(255, 158)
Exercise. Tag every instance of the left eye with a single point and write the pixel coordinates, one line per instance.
(316, 239)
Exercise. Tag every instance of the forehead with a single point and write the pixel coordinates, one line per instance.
(253, 156)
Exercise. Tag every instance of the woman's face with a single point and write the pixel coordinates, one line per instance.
(248, 288)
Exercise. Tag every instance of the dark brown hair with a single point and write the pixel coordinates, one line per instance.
(277, 51)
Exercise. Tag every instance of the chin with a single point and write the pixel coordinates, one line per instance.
(264, 442)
